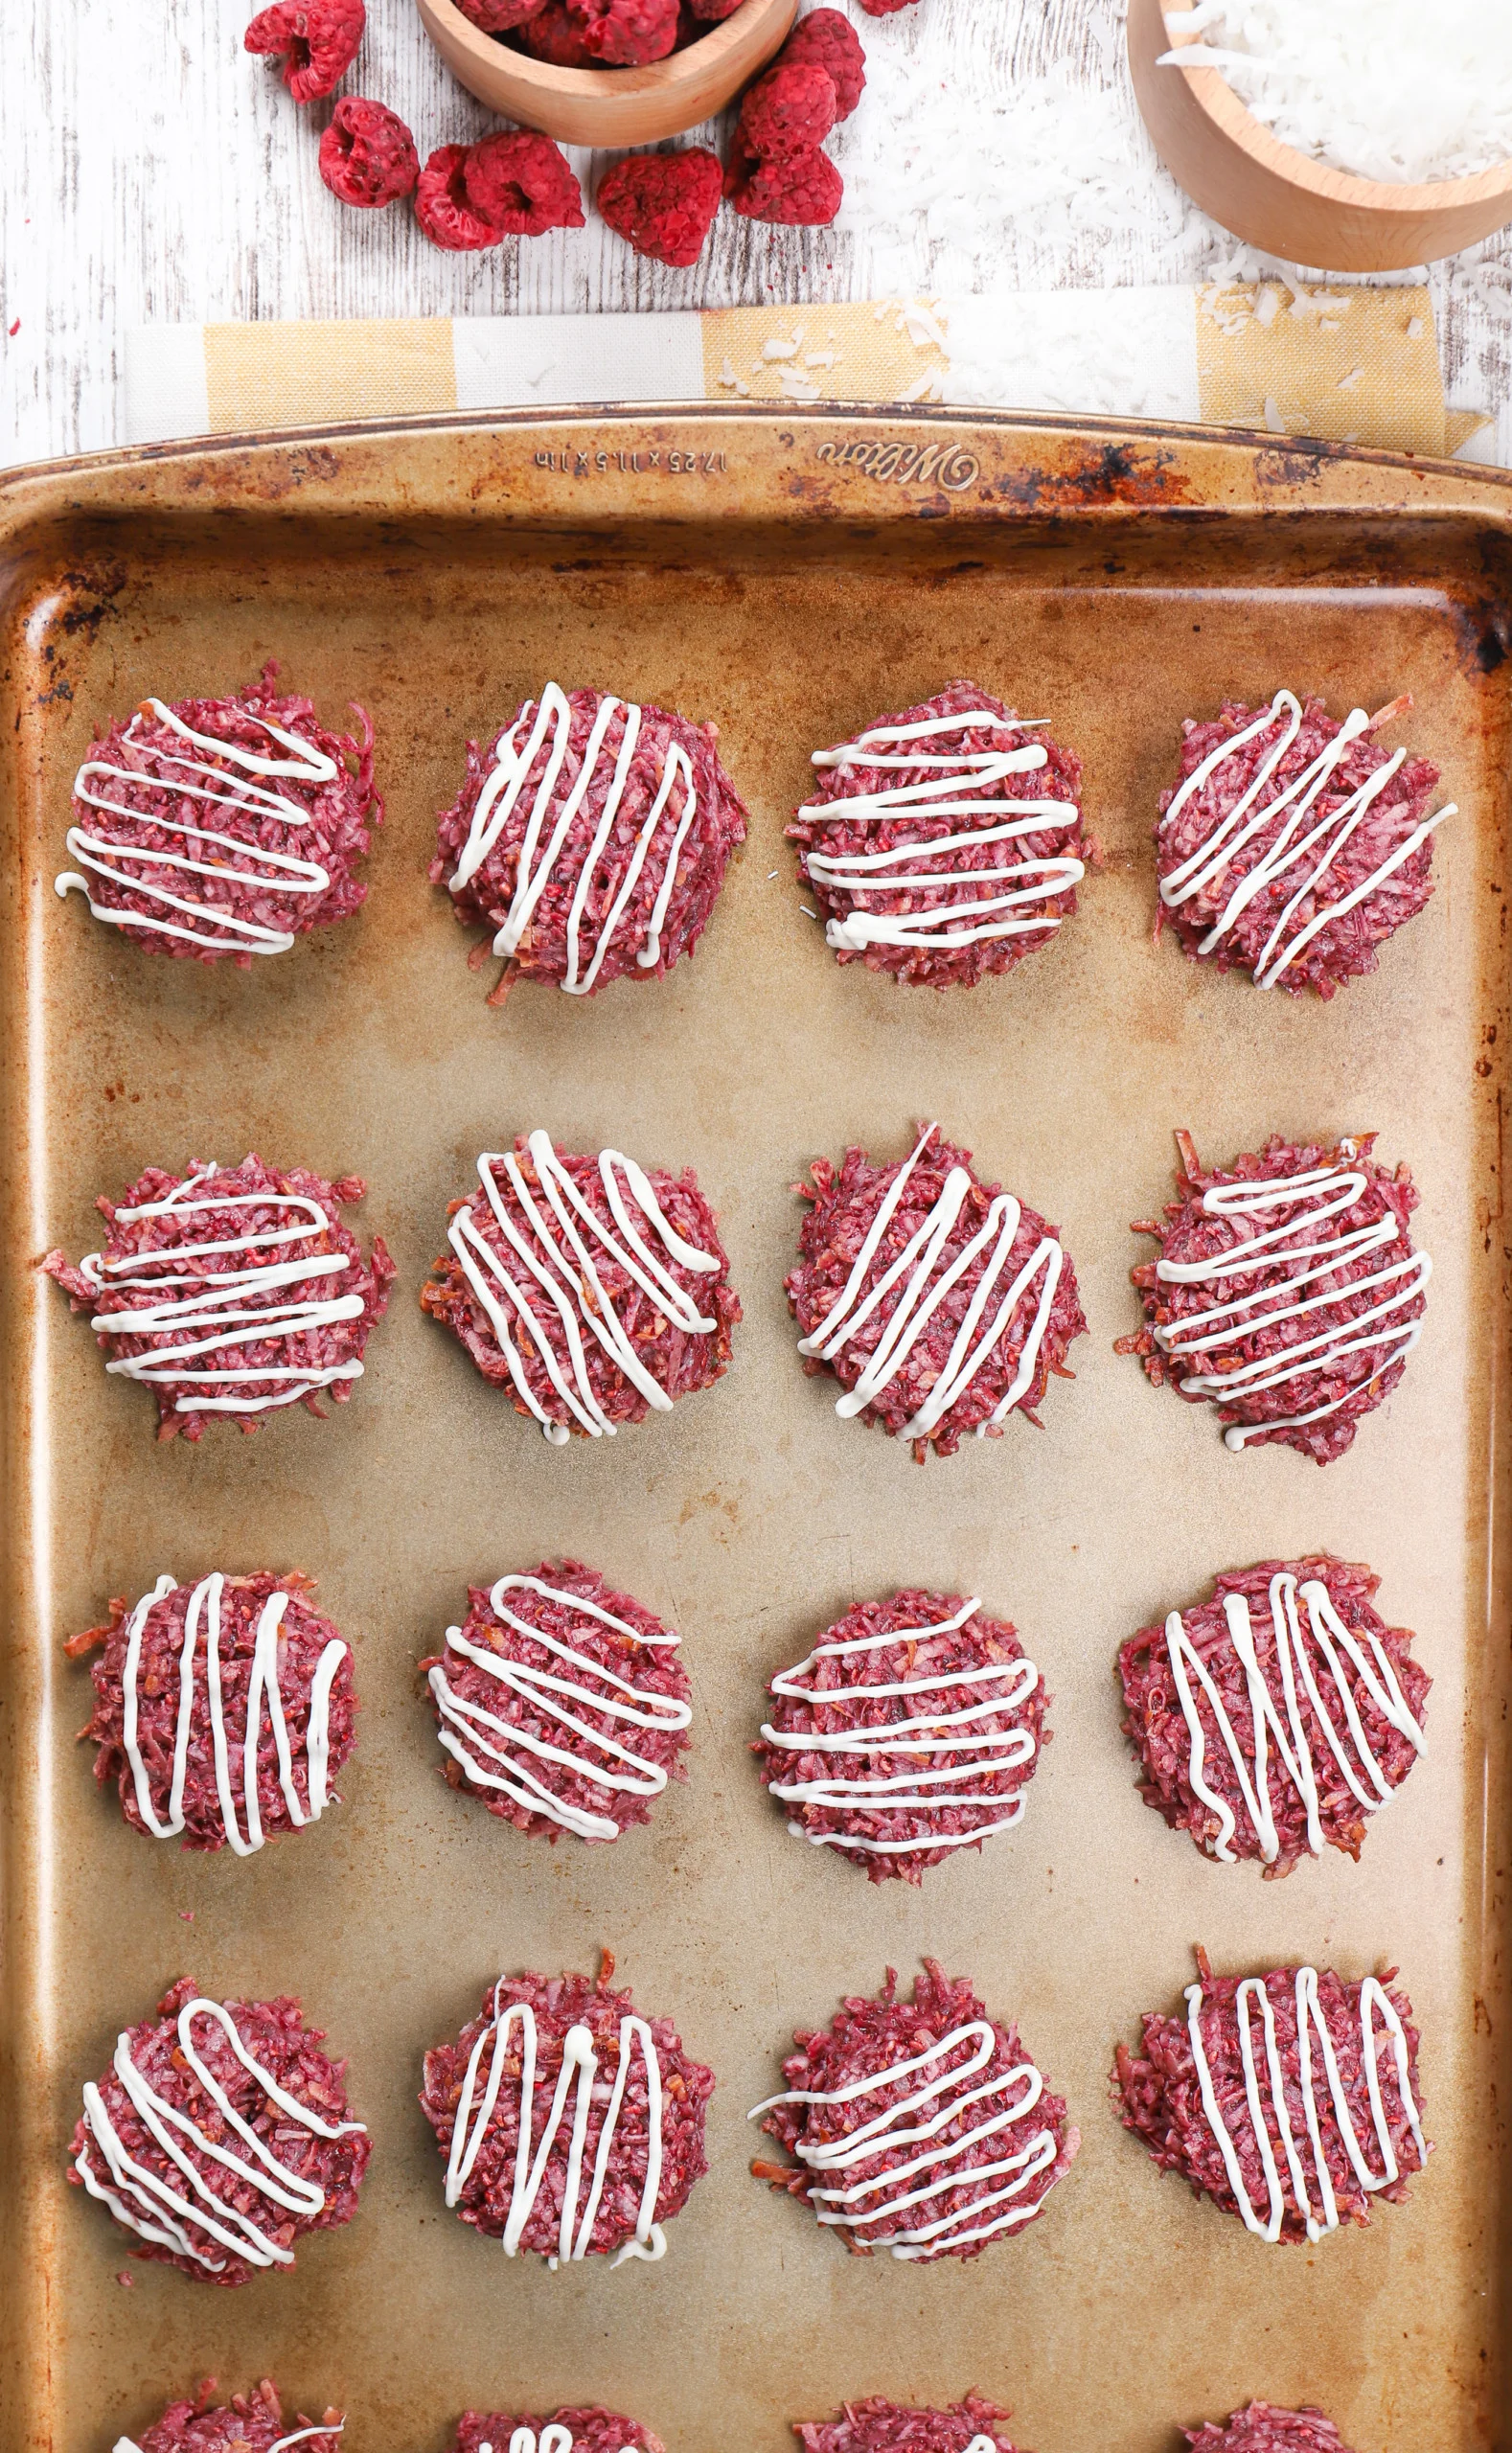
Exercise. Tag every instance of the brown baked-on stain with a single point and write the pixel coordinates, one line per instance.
(1108, 472)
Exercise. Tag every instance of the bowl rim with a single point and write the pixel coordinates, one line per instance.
(1217, 99)
(657, 77)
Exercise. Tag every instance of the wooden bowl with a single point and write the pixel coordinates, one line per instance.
(1282, 201)
(612, 105)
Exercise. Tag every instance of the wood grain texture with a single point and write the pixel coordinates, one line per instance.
(149, 171)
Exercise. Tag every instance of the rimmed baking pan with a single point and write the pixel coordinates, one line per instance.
(788, 578)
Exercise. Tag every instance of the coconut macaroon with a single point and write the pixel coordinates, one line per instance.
(1293, 847)
(1287, 1292)
(592, 838)
(941, 1304)
(944, 844)
(218, 829)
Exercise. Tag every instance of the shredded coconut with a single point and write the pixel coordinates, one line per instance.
(1388, 89)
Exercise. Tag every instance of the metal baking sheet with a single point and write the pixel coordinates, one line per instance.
(790, 578)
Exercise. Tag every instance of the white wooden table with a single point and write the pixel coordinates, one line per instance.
(150, 171)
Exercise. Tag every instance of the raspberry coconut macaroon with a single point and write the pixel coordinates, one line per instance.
(561, 1703)
(1293, 847)
(920, 2127)
(911, 1728)
(944, 844)
(223, 1710)
(595, 1290)
(874, 2425)
(941, 1304)
(589, 2429)
(248, 2423)
(1277, 1718)
(231, 1291)
(1288, 1291)
(217, 2136)
(1290, 2099)
(223, 827)
(571, 2126)
(592, 839)
(1262, 2428)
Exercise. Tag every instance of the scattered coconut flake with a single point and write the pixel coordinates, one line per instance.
(1267, 305)
(1348, 382)
(1385, 89)
(774, 349)
(1415, 328)
(1275, 422)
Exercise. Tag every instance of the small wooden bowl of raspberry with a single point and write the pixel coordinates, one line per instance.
(607, 72)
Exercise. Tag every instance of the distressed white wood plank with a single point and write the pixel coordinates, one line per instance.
(150, 171)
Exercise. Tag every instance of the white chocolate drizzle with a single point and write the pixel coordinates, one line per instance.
(1374, 2000)
(918, 1285)
(1362, 1775)
(553, 1258)
(554, 2437)
(129, 2445)
(927, 862)
(1318, 1197)
(534, 869)
(216, 1312)
(125, 2444)
(901, 2193)
(263, 1687)
(982, 1752)
(148, 2203)
(575, 2078)
(256, 867)
(489, 1750)
(1306, 846)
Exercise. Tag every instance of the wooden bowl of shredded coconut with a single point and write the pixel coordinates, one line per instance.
(1353, 138)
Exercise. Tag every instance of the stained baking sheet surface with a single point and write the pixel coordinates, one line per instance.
(790, 594)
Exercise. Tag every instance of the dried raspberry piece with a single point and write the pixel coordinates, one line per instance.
(367, 154)
(788, 111)
(827, 40)
(885, 8)
(625, 33)
(443, 207)
(803, 192)
(500, 16)
(317, 39)
(554, 35)
(663, 204)
(522, 185)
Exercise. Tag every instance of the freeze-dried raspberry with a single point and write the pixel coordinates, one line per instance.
(788, 111)
(625, 33)
(443, 207)
(522, 185)
(317, 39)
(885, 8)
(500, 16)
(827, 40)
(802, 192)
(367, 154)
(663, 204)
(690, 28)
(554, 35)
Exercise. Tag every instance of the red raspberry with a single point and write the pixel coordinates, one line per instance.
(498, 16)
(827, 40)
(625, 33)
(522, 185)
(317, 39)
(367, 154)
(663, 204)
(801, 192)
(885, 8)
(443, 207)
(788, 111)
(555, 37)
